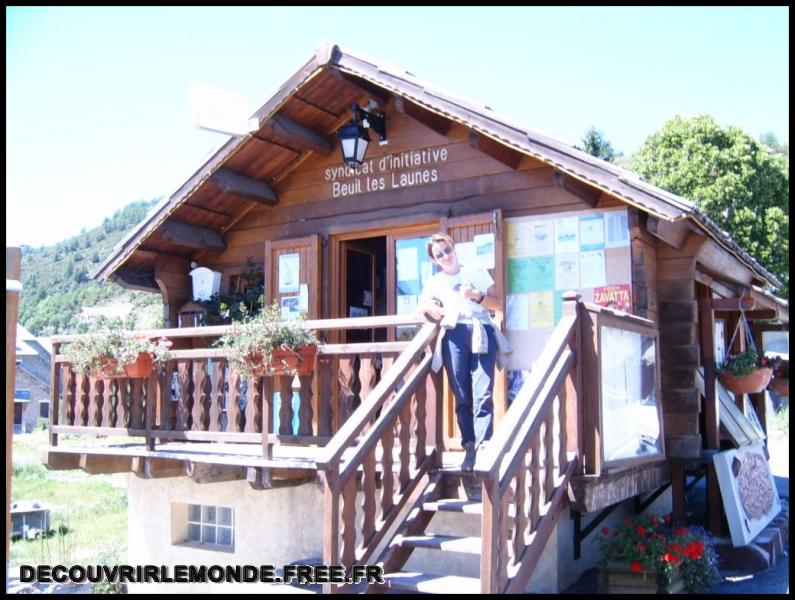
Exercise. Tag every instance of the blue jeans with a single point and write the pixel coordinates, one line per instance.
(471, 378)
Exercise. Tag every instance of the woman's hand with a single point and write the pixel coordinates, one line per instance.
(433, 311)
(470, 292)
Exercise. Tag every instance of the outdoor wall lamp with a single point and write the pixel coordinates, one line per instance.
(354, 136)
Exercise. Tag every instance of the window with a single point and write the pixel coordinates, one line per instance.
(213, 525)
(44, 410)
(630, 412)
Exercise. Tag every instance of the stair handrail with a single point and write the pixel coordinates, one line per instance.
(491, 457)
(346, 436)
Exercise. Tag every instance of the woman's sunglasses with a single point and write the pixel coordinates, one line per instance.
(443, 253)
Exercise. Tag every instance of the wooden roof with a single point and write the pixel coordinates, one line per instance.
(301, 119)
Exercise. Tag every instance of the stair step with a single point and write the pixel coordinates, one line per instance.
(455, 505)
(448, 543)
(431, 583)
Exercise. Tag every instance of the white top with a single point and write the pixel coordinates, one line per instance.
(445, 288)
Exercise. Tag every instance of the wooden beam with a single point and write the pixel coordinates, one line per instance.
(147, 467)
(234, 183)
(494, 149)
(767, 314)
(100, 464)
(732, 304)
(131, 279)
(209, 473)
(673, 234)
(718, 261)
(578, 188)
(191, 235)
(259, 478)
(361, 85)
(307, 138)
(716, 286)
(437, 123)
(61, 461)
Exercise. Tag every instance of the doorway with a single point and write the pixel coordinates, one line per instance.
(363, 286)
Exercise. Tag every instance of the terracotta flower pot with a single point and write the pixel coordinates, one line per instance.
(294, 362)
(143, 366)
(780, 386)
(753, 383)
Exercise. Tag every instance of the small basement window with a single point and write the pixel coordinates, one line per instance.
(201, 525)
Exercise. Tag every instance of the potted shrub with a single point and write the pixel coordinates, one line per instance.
(267, 345)
(780, 381)
(745, 373)
(647, 554)
(112, 354)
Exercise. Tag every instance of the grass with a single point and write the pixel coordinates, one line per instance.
(780, 421)
(88, 512)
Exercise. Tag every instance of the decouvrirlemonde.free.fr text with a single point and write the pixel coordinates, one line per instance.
(300, 574)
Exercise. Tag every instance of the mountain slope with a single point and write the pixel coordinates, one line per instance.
(55, 284)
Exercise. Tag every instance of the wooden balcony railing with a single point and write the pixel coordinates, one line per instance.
(197, 396)
(385, 439)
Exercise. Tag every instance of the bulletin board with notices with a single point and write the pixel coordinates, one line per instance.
(547, 255)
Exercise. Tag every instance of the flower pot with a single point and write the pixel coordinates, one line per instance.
(619, 578)
(293, 362)
(780, 386)
(142, 367)
(754, 382)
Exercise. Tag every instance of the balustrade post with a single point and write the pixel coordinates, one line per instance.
(331, 520)
(573, 307)
(56, 372)
(490, 528)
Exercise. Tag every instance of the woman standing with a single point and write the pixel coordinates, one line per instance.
(461, 297)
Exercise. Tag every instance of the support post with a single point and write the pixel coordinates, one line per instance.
(13, 289)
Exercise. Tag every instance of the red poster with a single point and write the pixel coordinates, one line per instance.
(614, 296)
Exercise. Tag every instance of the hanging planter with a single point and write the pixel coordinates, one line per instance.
(111, 354)
(752, 383)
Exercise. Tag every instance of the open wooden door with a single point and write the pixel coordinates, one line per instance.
(292, 275)
(462, 230)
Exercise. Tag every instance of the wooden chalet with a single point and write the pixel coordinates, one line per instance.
(373, 420)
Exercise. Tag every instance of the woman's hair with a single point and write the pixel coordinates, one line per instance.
(438, 237)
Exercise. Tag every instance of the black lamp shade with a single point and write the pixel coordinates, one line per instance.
(353, 143)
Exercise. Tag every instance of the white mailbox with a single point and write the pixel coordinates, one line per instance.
(206, 282)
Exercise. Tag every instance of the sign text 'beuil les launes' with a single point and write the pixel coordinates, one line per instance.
(390, 172)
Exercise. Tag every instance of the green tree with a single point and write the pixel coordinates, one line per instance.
(736, 181)
(595, 144)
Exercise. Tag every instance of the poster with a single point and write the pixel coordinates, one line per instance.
(290, 308)
(517, 309)
(484, 250)
(592, 232)
(407, 264)
(542, 238)
(614, 296)
(406, 304)
(465, 251)
(289, 272)
(541, 310)
(357, 311)
(592, 268)
(518, 238)
(303, 298)
(748, 490)
(541, 273)
(567, 235)
(567, 271)
(616, 229)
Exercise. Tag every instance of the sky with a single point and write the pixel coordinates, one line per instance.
(97, 108)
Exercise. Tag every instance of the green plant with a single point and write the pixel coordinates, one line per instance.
(106, 352)
(239, 305)
(650, 543)
(250, 344)
(744, 363)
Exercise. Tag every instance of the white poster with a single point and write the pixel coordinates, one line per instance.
(616, 229)
(406, 304)
(289, 272)
(517, 308)
(567, 271)
(567, 235)
(466, 253)
(592, 232)
(518, 235)
(592, 269)
(484, 250)
(542, 237)
(303, 298)
(407, 264)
